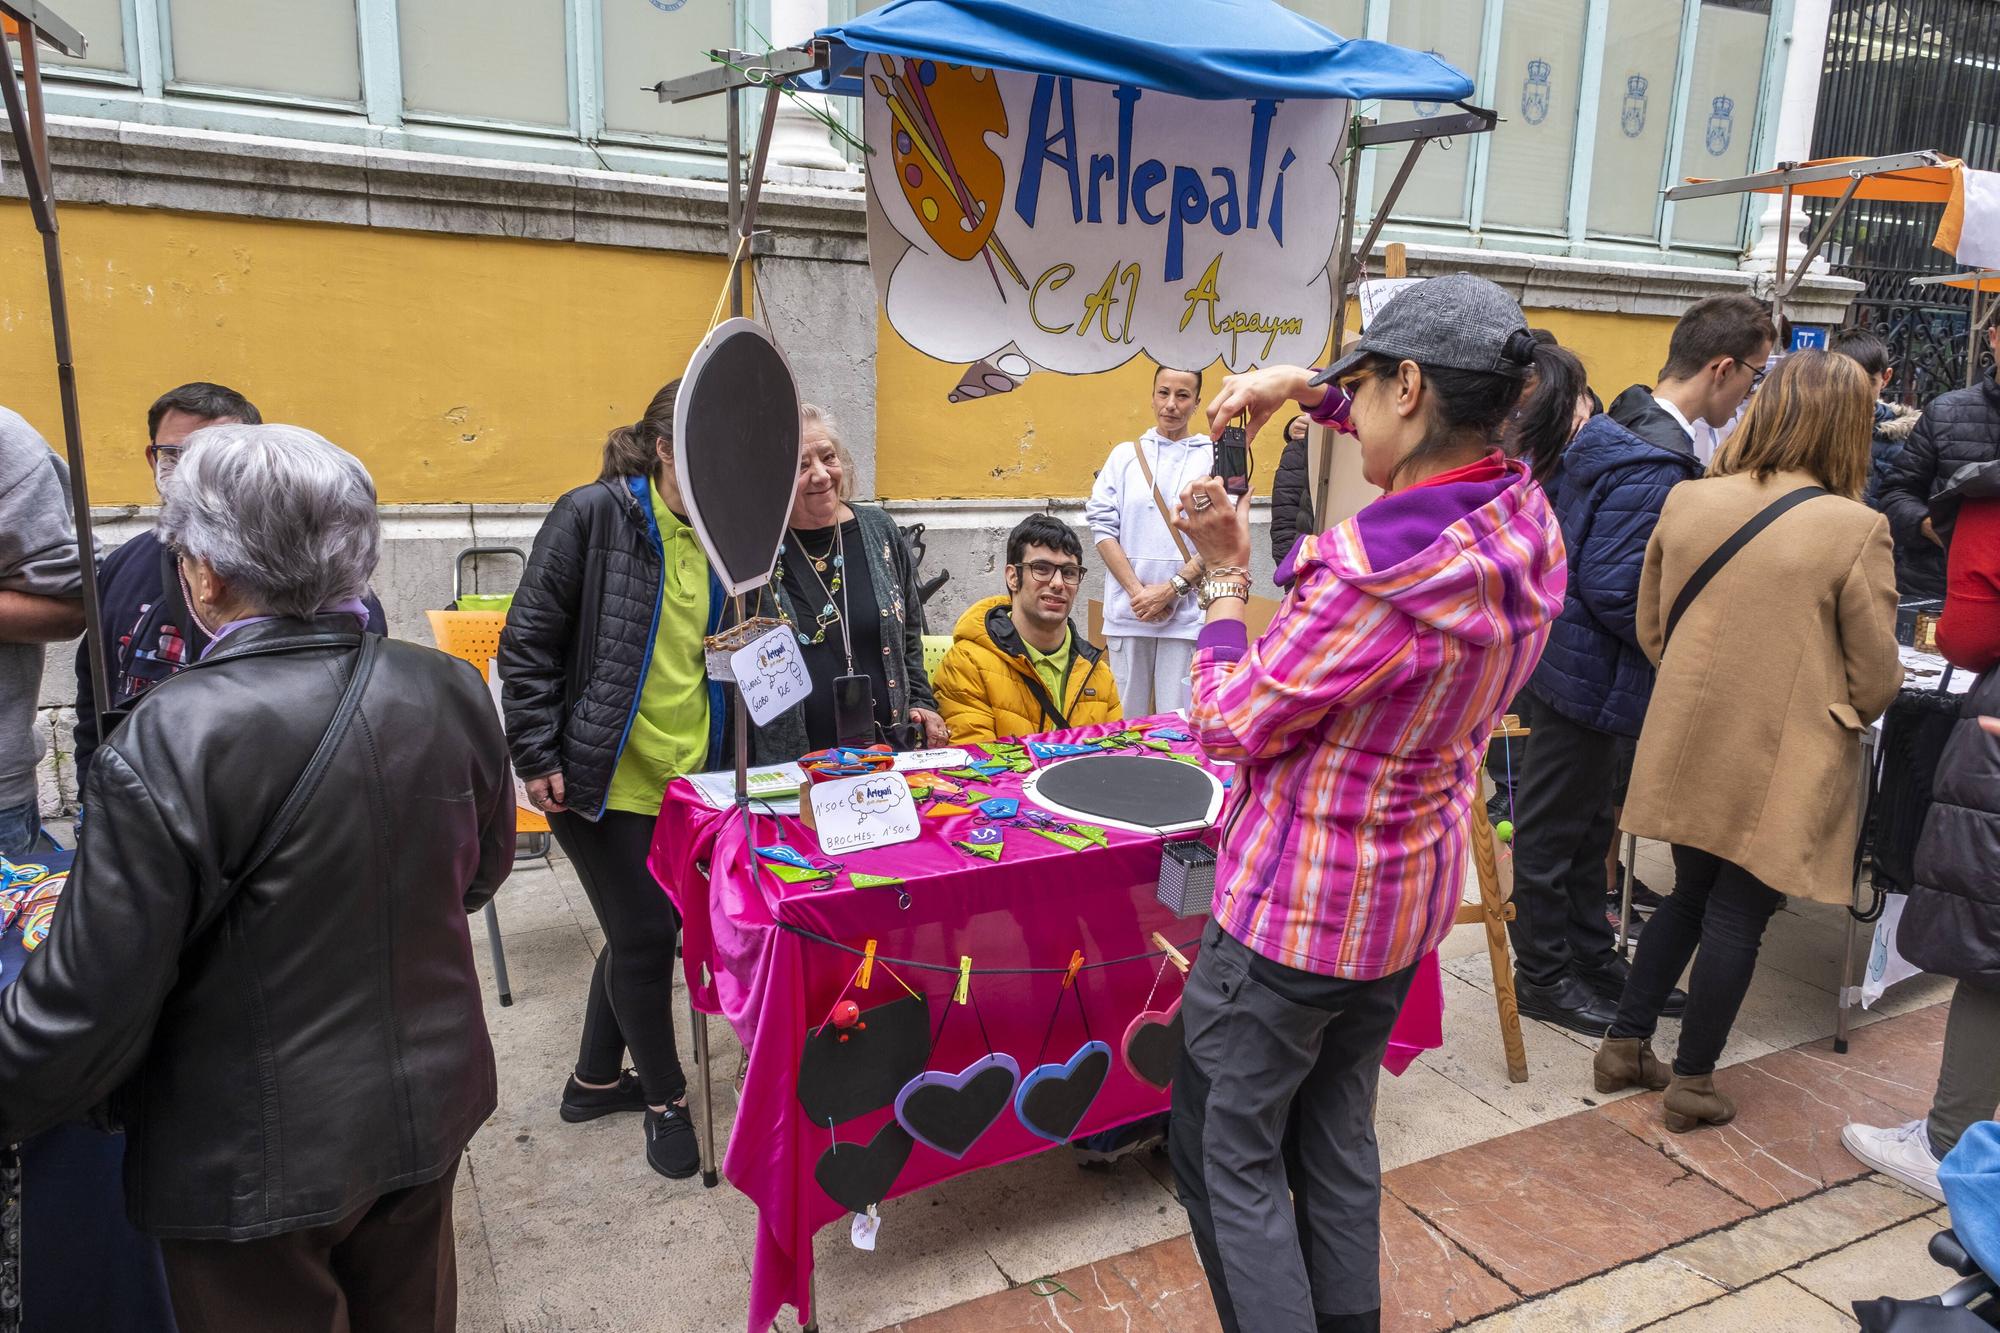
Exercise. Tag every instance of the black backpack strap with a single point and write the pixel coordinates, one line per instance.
(315, 769)
(1726, 552)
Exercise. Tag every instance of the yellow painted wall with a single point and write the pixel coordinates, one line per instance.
(1049, 437)
(481, 369)
(458, 368)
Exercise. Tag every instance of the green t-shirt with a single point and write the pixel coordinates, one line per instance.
(669, 736)
(1053, 668)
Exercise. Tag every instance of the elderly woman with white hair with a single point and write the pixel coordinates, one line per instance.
(261, 958)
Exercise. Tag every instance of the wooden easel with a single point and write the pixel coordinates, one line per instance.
(1495, 914)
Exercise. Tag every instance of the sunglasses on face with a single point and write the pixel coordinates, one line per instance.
(1046, 571)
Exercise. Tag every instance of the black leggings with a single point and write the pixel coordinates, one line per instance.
(1723, 909)
(631, 1004)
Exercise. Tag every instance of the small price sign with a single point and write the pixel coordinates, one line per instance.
(771, 673)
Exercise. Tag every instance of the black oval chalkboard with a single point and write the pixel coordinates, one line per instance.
(736, 447)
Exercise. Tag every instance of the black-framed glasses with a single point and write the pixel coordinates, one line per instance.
(170, 452)
(1047, 571)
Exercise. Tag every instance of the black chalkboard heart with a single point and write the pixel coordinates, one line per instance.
(846, 1072)
(1153, 1046)
(1053, 1098)
(736, 450)
(950, 1111)
(855, 1175)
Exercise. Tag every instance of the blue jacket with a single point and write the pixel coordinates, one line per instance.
(1608, 490)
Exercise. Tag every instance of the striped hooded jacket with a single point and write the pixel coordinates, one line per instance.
(1358, 718)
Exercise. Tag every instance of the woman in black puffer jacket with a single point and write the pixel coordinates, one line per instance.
(607, 701)
(1951, 924)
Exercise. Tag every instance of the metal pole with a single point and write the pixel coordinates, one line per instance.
(1784, 268)
(734, 98)
(31, 147)
(1972, 334)
(1337, 271)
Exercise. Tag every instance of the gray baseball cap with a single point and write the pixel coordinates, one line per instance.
(1456, 321)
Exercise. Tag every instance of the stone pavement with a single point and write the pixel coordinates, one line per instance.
(1535, 1206)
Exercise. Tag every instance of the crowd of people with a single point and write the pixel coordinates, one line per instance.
(249, 939)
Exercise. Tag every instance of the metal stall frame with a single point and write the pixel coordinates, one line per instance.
(1984, 314)
(28, 119)
(1786, 178)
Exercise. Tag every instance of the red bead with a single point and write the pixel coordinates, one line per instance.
(846, 1014)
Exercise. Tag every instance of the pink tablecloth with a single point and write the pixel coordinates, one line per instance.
(1033, 908)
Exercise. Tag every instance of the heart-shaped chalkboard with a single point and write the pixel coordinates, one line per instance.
(950, 1111)
(855, 1175)
(1054, 1098)
(1153, 1045)
(846, 1072)
(736, 450)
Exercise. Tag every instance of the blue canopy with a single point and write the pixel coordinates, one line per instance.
(1237, 50)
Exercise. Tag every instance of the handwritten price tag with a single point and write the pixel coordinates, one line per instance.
(771, 674)
(853, 814)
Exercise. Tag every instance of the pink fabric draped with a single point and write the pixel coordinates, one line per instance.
(747, 960)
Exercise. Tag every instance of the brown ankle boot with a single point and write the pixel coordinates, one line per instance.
(1694, 1101)
(1629, 1062)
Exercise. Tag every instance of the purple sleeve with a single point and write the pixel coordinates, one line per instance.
(1332, 409)
(1229, 638)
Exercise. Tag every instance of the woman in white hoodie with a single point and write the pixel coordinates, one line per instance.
(1150, 617)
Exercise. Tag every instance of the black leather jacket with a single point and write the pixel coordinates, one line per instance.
(287, 1048)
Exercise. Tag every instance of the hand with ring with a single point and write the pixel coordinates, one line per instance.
(1216, 524)
(546, 793)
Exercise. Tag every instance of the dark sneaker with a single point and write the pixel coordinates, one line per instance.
(580, 1103)
(1632, 927)
(1568, 1004)
(1643, 898)
(670, 1146)
(1608, 983)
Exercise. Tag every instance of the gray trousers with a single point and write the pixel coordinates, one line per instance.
(1275, 1097)
(1968, 1087)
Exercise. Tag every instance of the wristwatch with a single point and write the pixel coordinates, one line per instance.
(1215, 588)
(1180, 585)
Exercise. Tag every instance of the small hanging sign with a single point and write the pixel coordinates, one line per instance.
(771, 674)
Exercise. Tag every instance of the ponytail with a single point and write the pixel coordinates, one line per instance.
(632, 451)
(1540, 428)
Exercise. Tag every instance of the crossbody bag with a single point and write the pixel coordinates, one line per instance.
(1726, 552)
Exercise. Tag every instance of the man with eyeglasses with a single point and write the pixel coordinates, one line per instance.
(1017, 667)
(145, 611)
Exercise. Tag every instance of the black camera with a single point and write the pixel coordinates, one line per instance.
(1232, 460)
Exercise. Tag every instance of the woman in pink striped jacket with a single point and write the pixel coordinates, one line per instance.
(1356, 722)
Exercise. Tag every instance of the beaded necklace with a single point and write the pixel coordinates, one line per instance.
(829, 615)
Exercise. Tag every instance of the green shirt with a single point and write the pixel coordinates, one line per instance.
(669, 736)
(1053, 668)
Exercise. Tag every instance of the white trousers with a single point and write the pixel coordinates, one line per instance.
(1152, 674)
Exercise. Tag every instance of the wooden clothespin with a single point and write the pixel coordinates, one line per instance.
(964, 979)
(1174, 956)
(867, 966)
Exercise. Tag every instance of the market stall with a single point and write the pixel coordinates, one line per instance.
(1050, 190)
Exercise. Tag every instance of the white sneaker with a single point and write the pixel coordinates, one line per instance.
(1902, 1153)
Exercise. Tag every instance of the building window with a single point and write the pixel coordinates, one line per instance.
(646, 41)
(497, 61)
(299, 50)
(1721, 121)
(1530, 153)
(1439, 187)
(102, 23)
(1635, 116)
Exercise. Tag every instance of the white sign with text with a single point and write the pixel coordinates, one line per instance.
(771, 673)
(853, 814)
(912, 760)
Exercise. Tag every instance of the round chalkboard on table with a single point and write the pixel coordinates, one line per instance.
(1149, 793)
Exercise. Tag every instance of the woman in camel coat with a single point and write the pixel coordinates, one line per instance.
(1750, 759)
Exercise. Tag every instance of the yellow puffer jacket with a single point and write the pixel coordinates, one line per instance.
(987, 688)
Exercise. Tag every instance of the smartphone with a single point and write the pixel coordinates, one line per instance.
(853, 710)
(1232, 460)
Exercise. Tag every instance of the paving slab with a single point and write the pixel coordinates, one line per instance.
(1428, 1282)
(1757, 1247)
(1473, 1059)
(1774, 1305)
(1633, 1296)
(1157, 1289)
(1893, 1263)
(1421, 1113)
(1785, 1141)
(1551, 1205)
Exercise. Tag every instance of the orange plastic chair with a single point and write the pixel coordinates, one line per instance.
(475, 637)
